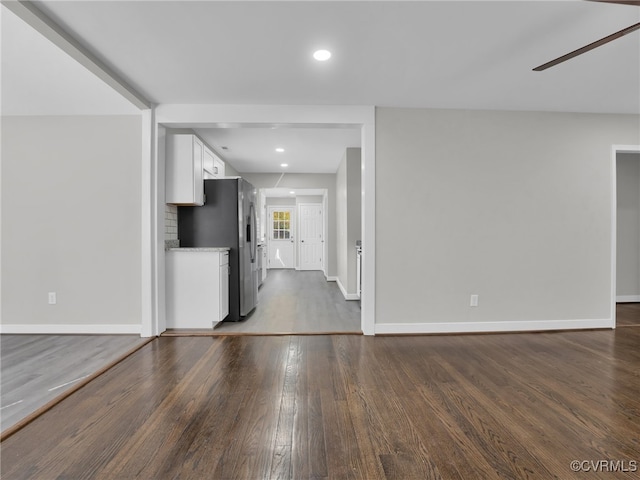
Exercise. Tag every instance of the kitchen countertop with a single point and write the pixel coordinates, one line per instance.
(199, 249)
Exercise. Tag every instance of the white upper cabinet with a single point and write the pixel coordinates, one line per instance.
(184, 170)
(209, 163)
(218, 168)
(213, 165)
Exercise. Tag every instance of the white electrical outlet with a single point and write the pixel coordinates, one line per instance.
(474, 300)
(52, 298)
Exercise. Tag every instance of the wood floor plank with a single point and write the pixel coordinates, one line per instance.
(316, 438)
(309, 441)
(346, 407)
(283, 438)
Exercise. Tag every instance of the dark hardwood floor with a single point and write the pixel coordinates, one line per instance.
(343, 407)
(627, 314)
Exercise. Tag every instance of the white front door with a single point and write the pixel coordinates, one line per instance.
(281, 237)
(311, 240)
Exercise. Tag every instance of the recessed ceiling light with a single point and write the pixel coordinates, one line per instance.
(279, 149)
(322, 55)
(284, 164)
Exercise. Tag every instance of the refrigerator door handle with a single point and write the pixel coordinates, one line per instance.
(251, 233)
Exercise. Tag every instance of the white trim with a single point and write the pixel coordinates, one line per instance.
(368, 182)
(347, 296)
(331, 279)
(476, 327)
(628, 298)
(615, 149)
(211, 115)
(62, 329)
(148, 266)
(325, 233)
(159, 320)
(194, 116)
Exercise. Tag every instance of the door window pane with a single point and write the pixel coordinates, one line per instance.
(281, 225)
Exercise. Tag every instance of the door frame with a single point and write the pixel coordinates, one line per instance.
(299, 222)
(293, 230)
(615, 150)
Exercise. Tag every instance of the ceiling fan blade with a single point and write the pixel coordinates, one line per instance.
(623, 2)
(586, 48)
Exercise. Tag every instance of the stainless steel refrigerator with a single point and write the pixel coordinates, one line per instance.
(227, 219)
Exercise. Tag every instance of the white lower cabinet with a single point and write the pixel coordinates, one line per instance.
(224, 286)
(197, 287)
(265, 260)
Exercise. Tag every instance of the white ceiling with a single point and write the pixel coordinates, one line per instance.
(452, 54)
(254, 149)
(39, 79)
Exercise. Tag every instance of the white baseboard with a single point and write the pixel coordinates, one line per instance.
(347, 296)
(476, 327)
(85, 329)
(628, 299)
(331, 279)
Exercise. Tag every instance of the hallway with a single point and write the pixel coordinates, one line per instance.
(298, 302)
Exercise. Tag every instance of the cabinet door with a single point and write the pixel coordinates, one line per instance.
(184, 175)
(224, 291)
(218, 168)
(264, 264)
(198, 174)
(209, 163)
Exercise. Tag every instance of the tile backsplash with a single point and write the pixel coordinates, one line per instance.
(171, 226)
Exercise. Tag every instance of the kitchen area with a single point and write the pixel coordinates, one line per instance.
(217, 256)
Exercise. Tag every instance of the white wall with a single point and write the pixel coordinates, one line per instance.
(229, 171)
(349, 200)
(295, 181)
(628, 227)
(71, 224)
(309, 199)
(289, 201)
(512, 206)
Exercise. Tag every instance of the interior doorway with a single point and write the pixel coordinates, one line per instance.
(302, 117)
(626, 238)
